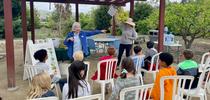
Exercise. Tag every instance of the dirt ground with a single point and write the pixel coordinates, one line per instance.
(199, 47)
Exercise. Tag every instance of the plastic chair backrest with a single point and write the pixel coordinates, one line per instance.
(179, 83)
(138, 62)
(111, 65)
(91, 44)
(31, 71)
(90, 97)
(155, 61)
(141, 92)
(46, 98)
(88, 67)
(204, 58)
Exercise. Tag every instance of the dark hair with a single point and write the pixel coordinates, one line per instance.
(150, 44)
(40, 55)
(167, 58)
(188, 54)
(74, 76)
(137, 49)
(111, 51)
(128, 65)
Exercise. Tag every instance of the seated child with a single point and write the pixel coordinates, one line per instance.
(188, 67)
(40, 86)
(42, 56)
(78, 56)
(76, 86)
(151, 51)
(138, 55)
(166, 69)
(111, 52)
(126, 79)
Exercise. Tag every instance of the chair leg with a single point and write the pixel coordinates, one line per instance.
(202, 97)
(112, 82)
(103, 90)
(205, 96)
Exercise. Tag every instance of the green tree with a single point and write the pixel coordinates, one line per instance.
(190, 20)
(102, 18)
(37, 23)
(87, 21)
(16, 9)
(60, 19)
(142, 11)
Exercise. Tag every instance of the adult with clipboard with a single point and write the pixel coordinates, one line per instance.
(128, 36)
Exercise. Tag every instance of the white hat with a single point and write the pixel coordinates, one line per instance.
(130, 22)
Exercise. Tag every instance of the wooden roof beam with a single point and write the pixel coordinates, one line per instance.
(82, 2)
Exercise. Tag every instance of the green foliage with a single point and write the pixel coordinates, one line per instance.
(16, 11)
(37, 23)
(102, 18)
(60, 19)
(190, 20)
(142, 11)
(121, 15)
(87, 21)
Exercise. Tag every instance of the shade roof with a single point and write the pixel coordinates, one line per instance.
(91, 2)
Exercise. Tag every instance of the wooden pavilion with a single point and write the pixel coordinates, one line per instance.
(9, 29)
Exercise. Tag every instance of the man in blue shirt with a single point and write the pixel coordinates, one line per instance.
(76, 40)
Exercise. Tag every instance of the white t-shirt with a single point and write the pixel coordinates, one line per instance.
(82, 91)
(43, 67)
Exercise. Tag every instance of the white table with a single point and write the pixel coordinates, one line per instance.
(105, 40)
(168, 46)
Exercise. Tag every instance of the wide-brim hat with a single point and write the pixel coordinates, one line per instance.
(130, 22)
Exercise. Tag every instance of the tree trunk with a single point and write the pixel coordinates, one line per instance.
(188, 43)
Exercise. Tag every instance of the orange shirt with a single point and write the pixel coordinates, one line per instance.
(168, 84)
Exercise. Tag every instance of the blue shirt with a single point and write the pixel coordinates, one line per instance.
(77, 43)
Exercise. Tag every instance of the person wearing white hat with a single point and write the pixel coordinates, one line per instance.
(128, 36)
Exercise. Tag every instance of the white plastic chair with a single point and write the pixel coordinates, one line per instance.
(179, 83)
(140, 91)
(30, 71)
(201, 89)
(154, 60)
(90, 97)
(111, 65)
(46, 98)
(204, 59)
(88, 67)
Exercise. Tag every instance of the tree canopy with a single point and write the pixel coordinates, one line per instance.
(102, 18)
(190, 20)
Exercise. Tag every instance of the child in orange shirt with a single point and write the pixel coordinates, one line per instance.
(166, 59)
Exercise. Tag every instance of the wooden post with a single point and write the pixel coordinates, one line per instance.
(24, 25)
(32, 20)
(131, 8)
(161, 25)
(77, 12)
(113, 26)
(9, 44)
